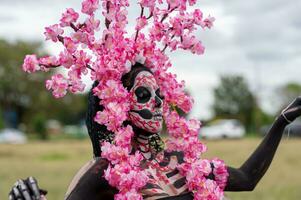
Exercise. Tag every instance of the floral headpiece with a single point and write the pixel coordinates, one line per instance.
(161, 25)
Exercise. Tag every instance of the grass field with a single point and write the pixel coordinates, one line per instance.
(55, 163)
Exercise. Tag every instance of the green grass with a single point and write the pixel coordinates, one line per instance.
(54, 164)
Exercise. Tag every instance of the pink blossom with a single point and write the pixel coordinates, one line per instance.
(92, 24)
(70, 45)
(130, 195)
(75, 83)
(141, 23)
(52, 32)
(123, 137)
(66, 59)
(81, 36)
(49, 61)
(192, 2)
(113, 116)
(198, 16)
(31, 64)
(192, 43)
(208, 22)
(114, 153)
(148, 3)
(111, 89)
(157, 31)
(198, 48)
(174, 3)
(220, 172)
(68, 17)
(82, 59)
(58, 84)
(77, 86)
(89, 6)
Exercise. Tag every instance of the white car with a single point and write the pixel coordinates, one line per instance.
(226, 128)
(12, 136)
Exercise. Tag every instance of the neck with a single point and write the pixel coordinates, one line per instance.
(143, 143)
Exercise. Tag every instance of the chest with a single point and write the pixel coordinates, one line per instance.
(164, 177)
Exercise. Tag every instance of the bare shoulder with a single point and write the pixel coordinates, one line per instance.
(93, 168)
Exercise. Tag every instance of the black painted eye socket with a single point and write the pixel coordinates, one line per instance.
(158, 93)
(143, 94)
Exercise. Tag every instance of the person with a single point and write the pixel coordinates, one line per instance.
(165, 181)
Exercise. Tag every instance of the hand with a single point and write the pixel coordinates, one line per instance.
(292, 111)
(27, 189)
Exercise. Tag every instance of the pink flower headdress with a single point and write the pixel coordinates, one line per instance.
(161, 25)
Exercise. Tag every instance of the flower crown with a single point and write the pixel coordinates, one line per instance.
(161, 25)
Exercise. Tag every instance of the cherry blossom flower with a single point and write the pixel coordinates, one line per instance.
(49, 61)
(198, 16)
(92, 24)
(31, 64)
(68, 17)
(66, 59)
(123, 137)
(208, 22)
(89, 6)
(70, 45)
(148, 3)
(58, 84)
(52, 32)
(141, 23)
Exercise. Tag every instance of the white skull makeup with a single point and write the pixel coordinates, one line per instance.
(146, 103)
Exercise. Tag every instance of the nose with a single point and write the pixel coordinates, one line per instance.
(158, 102)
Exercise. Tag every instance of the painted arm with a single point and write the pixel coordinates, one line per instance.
(249, 174)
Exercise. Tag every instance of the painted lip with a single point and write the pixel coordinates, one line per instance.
(157, 116)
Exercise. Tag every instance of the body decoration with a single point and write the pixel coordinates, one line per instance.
(108, 58)
(133, 93)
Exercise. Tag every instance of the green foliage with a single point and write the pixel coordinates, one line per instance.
(26, 95)
(288, 93)
(1, 120)
(233, 99)
(39, 125)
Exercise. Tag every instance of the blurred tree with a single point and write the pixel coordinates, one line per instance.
(233, 99)
(1, 120)
(288, 93)
(25, 94)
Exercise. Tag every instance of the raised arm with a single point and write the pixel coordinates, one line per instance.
(249, 174)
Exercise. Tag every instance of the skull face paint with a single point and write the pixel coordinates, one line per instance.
(146, 103)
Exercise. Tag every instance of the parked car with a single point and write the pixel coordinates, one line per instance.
(291, 130)
(226, 128)
(12, 136)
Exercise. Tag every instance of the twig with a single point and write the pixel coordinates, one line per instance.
(167, 45)
(107, 22)
(166, 14)
(141, 14)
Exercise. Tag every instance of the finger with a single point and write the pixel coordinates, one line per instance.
(17, 193)
(11, 196)
(33, 185)
(43, 197)
(24, 190)
(43, 192)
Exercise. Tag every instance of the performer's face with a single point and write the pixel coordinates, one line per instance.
(146, 103)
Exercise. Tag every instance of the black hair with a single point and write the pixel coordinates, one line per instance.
(99, 133)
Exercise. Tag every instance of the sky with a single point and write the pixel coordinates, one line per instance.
(257, 39)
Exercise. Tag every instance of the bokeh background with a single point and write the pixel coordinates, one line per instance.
(249, 72)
